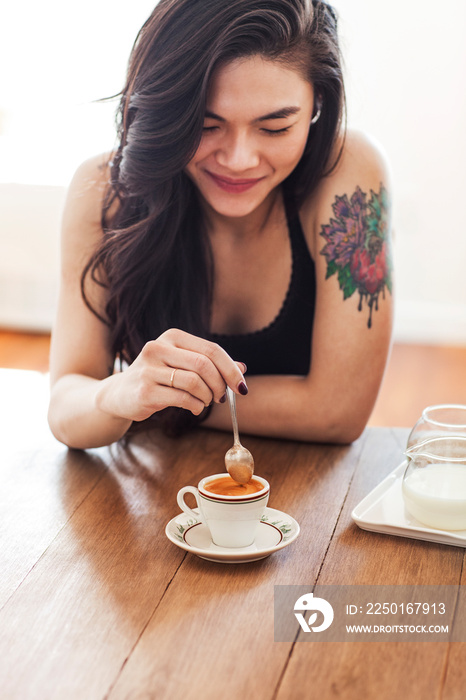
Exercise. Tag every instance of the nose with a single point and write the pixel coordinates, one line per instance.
(238, 153)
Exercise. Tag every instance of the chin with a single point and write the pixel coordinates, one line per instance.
(234, 210)
(235, 206)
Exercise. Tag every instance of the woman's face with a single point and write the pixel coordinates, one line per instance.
(255, 130)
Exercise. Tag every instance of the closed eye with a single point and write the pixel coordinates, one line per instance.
(277, 131)
(272, 132)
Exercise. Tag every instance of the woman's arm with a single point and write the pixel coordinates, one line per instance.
(90, 405)
(80, 356)
(347, 228)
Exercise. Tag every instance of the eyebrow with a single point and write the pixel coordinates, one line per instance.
(282, 113)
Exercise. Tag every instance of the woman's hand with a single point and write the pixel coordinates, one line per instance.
(176, 369)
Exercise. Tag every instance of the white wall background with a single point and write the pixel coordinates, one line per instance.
(405, 63)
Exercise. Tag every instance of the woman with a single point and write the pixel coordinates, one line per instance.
(233, 225)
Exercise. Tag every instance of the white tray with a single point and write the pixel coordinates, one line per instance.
(383, 510)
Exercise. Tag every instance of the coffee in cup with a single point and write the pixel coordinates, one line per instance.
(232, 512)
(226, 486)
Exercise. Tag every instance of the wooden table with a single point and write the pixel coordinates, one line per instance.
(96, 602)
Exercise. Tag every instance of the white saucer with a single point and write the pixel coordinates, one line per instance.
(383, 510)
(276, 530)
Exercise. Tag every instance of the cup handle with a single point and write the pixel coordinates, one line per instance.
(184, 506)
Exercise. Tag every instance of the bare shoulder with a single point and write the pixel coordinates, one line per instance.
(94, 170)
(86, 193)
(81, 229)
(362, 155)
(361, 171)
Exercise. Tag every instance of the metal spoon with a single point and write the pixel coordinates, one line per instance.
(239, 462)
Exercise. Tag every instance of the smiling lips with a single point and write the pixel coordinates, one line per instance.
(233, 185)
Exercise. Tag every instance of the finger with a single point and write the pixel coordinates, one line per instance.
(192, 383)
(170, 358)
(181, 399)
(225, 366)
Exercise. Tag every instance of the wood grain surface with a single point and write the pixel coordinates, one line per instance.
(96, 602)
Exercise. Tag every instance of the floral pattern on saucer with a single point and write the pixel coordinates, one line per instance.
(284, 526)
(276, 530)
(181, 528)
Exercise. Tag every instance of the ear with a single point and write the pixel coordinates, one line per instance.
(317, 109)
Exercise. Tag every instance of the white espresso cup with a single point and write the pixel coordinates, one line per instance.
(231, 520)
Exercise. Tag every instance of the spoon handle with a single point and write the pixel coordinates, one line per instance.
(232, 403)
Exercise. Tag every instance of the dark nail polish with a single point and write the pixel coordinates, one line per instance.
(224, 398)
(242, 388)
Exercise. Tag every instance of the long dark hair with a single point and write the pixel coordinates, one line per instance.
(154, 257)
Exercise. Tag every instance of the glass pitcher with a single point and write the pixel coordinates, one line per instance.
(434, 483)
(442, 420)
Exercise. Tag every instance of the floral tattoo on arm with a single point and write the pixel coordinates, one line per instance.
(357, 246)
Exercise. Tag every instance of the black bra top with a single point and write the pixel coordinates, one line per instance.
(284, 346)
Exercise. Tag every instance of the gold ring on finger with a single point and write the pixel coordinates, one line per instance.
(172, 378)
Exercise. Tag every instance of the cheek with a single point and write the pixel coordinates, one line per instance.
(287, 155)
(299, 143)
